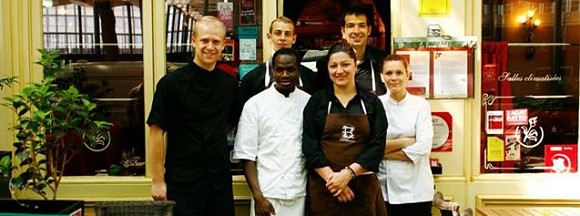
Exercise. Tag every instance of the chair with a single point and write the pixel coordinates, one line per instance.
(142, 208)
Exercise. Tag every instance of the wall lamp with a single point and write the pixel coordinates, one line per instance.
(530, 23)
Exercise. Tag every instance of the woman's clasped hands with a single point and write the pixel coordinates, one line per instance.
(337, 184)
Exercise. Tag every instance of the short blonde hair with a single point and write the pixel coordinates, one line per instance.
(208, 20)
(282, 19)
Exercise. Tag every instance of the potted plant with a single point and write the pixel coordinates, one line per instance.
(53, 123)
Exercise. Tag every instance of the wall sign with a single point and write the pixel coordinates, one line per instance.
(442, 132)
(561, 158)
(434, 7)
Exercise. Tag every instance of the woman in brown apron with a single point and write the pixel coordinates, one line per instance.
(343, 142)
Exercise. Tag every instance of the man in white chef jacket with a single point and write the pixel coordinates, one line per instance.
(269, 142)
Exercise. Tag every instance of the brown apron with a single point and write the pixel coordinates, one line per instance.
(344, 138)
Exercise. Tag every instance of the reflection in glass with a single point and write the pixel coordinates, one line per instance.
(530, 75)
(102, 43)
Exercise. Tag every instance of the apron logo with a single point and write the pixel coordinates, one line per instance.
(347, 133)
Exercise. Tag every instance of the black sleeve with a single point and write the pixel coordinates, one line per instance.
(322, 77)
(309, 80)
(373, 153)
(377, 61)
(237, 105)
(312, 133)
(160, 108)
(249, 84)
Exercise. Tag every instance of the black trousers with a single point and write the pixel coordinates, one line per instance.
(214, 203)
(409, 209)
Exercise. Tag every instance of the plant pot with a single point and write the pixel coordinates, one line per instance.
(12, 207)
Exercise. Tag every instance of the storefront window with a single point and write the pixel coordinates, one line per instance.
(243, 45)
(101, 43)
(530, 66)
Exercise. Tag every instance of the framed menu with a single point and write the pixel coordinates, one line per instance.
(440, 67)
(440, 72)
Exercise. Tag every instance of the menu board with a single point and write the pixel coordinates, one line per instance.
(440, 72)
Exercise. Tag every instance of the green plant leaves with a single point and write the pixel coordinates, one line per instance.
(54, 120)
(7, 81)
(5, 164)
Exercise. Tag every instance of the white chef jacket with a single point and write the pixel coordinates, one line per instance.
(405, 182)
(270, 133)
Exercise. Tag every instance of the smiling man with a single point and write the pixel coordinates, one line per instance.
(269, 142)
(193, 105)
(356, 27)
(281, 35)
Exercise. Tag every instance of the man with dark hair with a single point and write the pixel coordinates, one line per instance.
(269, 142)
(281, 35)
(193, 105)
(356, 27)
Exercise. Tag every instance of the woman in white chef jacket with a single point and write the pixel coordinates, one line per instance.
(405, 173)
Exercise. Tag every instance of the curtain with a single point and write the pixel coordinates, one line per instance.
(494, 63)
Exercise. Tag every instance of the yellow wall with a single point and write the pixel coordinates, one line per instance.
(17, 51)
(20, 36)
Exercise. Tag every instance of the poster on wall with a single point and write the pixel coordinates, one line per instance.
(229, 50)
(514, 117)
(442, 132)
(247, 12)
(513, 150)
(226, 14)
(247, 32)
(561, 158)
(495, 149)
(245, 68)
(247, 49)
(494, 122)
